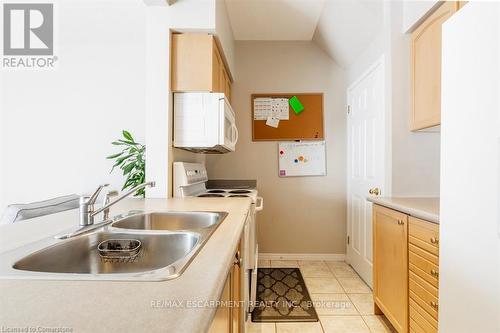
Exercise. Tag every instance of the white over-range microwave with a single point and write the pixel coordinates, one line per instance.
(204, 123)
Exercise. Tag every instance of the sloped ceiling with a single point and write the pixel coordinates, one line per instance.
(274, 19)
(346, 28)
(342, 28)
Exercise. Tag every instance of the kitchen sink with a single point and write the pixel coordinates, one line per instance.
(80, 255)
(172, 221)
(164, 243)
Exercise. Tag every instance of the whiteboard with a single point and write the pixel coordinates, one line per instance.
(302, 158)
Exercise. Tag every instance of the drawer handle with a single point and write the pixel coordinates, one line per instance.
(434, 305)
(434, 273)
(434, 240)
(400, 222)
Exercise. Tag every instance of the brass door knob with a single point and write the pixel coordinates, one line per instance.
(375, 191)
(237, 259)
(434, 273)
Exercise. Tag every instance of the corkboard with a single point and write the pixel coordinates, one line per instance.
(307, 125)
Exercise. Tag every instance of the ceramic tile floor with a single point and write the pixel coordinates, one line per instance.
(348, 304)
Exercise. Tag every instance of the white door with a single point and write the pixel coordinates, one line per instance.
(366, 164)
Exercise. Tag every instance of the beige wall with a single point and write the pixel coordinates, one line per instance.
(413, 157)
(301, 215)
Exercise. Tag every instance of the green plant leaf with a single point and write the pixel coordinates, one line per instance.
(127, 142)
(110, 157)
(127, 135)
(123, 158)
(127, 168)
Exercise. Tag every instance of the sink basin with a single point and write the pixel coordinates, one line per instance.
(80, 255)
(172, 221)
(168, 242)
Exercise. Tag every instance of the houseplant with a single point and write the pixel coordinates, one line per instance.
(131, 161)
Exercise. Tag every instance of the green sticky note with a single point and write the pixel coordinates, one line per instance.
(296, 105)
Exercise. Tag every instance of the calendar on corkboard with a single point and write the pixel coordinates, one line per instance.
(287, 116)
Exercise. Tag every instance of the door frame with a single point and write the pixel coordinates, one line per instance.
(387, 182)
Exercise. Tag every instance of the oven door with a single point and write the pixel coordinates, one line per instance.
(228, 134)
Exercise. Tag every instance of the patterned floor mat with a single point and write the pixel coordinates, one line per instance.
(282, 296)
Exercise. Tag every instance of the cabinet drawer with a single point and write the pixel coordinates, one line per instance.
(424, 235)
(424, 254)
(420, 320)
(424, 268)
(414, 328)
(424, 284)
(425, 299)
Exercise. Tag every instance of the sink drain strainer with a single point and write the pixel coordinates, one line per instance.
(119, 250)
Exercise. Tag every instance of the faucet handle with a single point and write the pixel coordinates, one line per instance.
(94, 196)
(111, 194)
(105, 202)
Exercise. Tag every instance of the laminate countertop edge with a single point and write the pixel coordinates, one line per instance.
(125, 306)
(420, 207)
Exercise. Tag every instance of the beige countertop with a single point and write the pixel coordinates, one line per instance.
(422, 208)
(111, 306)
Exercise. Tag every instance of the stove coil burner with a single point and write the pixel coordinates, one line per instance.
(211, 195)
(240, 191)
(216, 191)
(238, 196)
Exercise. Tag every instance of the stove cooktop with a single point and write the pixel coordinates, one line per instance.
(210, 195)
(229, 193)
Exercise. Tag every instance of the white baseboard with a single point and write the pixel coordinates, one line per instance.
(303, 256)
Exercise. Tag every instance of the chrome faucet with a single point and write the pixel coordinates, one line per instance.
(105, 202)
(87, 211)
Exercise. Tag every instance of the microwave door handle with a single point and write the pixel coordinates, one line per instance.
(235, 134)
(260, 206)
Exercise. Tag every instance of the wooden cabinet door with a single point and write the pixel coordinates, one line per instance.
(197, 65)
(222, 320)
(426, 68)
(191, 62)
(217, 68)
(236, 294)
(390, 265)
(227, 89)
(222, 80)
(229, 319)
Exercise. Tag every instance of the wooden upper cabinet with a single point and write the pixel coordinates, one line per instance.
(198, 65)
(426, 68)
(390, 265)
(225, 83)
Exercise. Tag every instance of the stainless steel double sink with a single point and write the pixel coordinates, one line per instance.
(170, 241)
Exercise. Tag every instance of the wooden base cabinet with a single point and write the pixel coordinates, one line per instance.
(423, 254)
(390, 266)
(406, 270)
(229, 319)
(222, 320)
